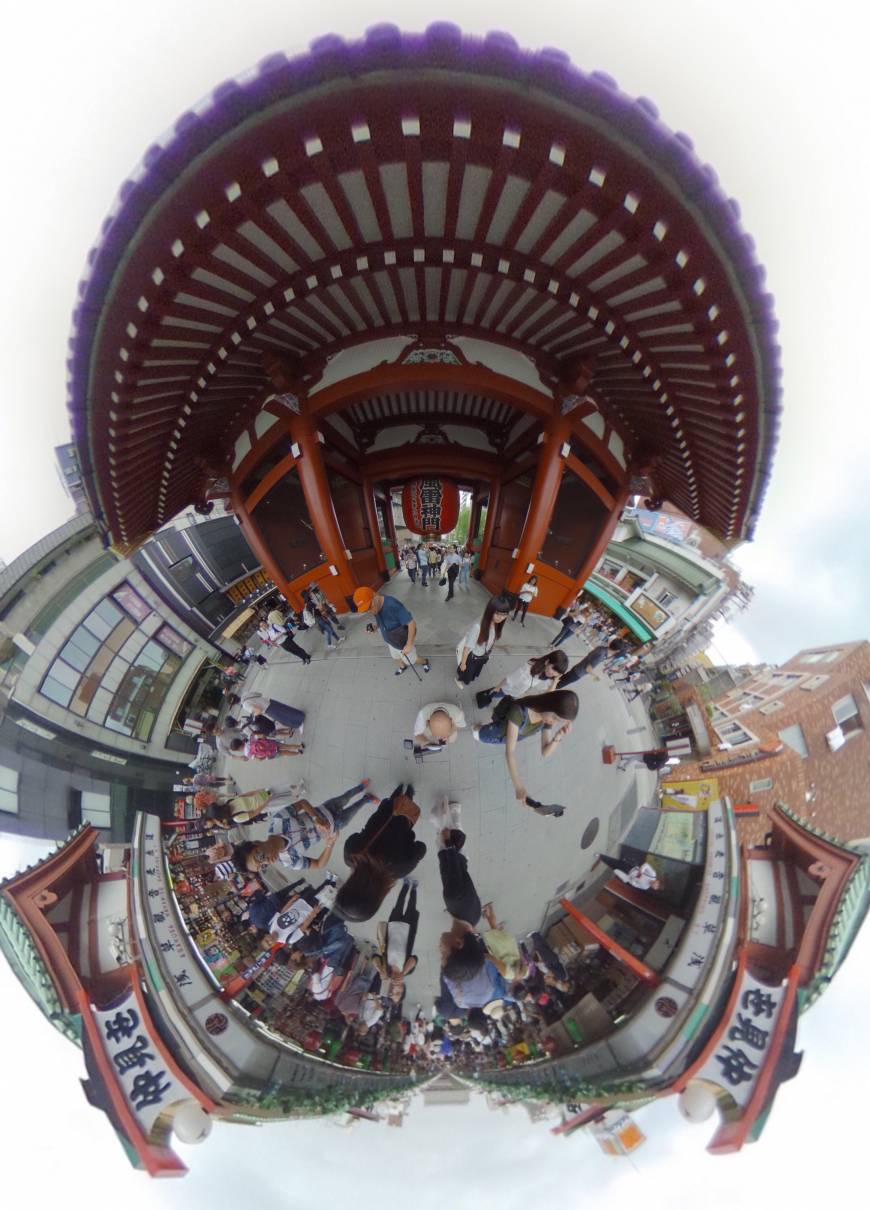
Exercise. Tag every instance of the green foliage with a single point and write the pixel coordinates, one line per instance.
(459, 534)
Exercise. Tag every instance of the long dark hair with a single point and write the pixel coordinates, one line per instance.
(561, 702)
(494, 605)
(556, 659)
(365, 890)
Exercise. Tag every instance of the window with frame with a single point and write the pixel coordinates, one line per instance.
(8, 790)
(84, 676)
(732, 733)
(760, 784)
(96, 809)
(771, 707)
(666, 598)
(847, 715)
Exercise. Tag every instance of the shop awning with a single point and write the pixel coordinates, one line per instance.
(633, 623)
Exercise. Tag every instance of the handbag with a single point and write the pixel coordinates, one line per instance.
(442, 581)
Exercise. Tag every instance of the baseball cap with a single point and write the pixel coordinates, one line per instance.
(363, 598)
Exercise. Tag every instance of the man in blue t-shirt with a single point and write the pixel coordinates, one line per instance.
(397, 626)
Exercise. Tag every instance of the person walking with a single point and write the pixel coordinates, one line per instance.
(527, 594)
(409, 559)
(396, 937)
(469, 979)
(423, 564)
(452, 562)
(467, 558)
(261, 747)
(281, 631)
(434, 561)
(477, 642)
(591, 660)
(572, 621)
(324, 625)
(384, 851)
(549, 714)
(397, 626)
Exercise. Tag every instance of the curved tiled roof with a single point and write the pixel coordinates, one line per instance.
(430, 184)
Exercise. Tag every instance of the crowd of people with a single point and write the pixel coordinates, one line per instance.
(498, 993)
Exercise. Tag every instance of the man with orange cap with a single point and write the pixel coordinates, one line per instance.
(397, 626)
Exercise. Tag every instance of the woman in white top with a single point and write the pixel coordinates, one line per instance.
(538, 675)
(527, 594)
(476, 644)
(465, 567)
(397, 936)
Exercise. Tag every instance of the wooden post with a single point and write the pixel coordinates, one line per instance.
(548, 477)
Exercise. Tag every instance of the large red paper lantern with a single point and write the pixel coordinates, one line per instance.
(430, 506)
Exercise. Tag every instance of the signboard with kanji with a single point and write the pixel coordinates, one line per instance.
(735, 1064)
(702, 934)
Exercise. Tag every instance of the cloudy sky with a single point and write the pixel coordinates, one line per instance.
(775, 96)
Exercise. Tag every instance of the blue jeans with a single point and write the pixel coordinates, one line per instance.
(463, 573)
(424, 574)
(326, 630)
(494, 733)
(564, 633)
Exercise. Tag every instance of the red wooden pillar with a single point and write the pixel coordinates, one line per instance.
(548, 476)
(315, 488)
(371, 507)
(599, 548)
(491, 510)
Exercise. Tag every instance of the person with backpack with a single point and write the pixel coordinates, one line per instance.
(549, 714)
(397, 626)
(477, 642)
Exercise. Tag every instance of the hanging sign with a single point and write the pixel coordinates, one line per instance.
(430, 506)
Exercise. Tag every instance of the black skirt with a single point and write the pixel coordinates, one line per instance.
(473, 667)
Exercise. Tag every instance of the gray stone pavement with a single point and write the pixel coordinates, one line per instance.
(358, 713)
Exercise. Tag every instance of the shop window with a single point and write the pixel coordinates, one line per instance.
(666, 599)
(8, 790)
(796, 740)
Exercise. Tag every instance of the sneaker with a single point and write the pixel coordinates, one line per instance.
(475, 732)
(427, 667)
(365, 783)
(458, 683)
(341, 638)
(399, 671)
(454, 815)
